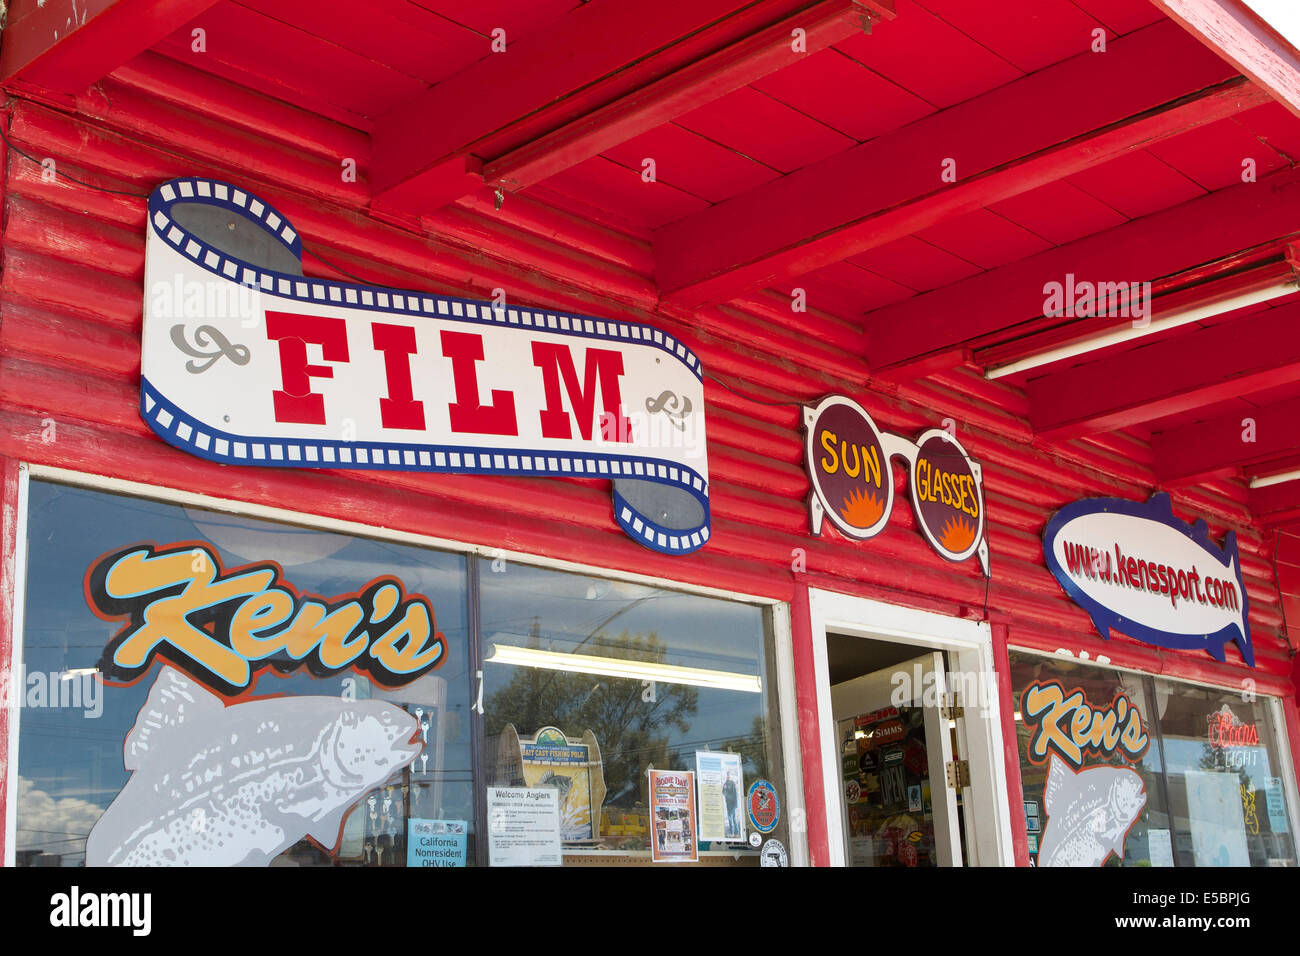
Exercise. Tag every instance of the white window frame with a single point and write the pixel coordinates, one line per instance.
(989, 836)
(787, 706)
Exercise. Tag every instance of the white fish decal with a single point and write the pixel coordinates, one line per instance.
(217, 785)
(1089, 813)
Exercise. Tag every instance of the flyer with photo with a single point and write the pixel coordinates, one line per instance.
(721, 786)
(672, 816)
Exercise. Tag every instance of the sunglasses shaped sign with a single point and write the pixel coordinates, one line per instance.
(848, 460)
(246, 361)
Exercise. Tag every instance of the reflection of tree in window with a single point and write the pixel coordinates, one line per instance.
(633, 733)
(752, 749)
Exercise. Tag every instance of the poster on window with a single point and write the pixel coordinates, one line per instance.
(573, 769)
(1218, 824)
(436, 843)
(523, 826)
(672, 815)
(720, 780)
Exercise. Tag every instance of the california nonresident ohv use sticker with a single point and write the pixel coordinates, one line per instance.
(77, 909)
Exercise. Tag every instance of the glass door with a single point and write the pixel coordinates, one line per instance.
(901, 775)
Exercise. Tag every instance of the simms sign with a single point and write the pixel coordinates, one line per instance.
(848, 460)
(1135, 567)
(247, 362)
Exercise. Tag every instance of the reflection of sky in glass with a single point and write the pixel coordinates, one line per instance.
(70, 765)
(1184, 754)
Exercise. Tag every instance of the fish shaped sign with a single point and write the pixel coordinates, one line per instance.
(848, 460)
(218, 785)
(1136, 568)
(245, 361)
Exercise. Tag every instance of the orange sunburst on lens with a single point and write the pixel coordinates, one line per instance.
(957, 535)
(862, 510)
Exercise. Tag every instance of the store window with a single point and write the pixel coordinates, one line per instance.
(1225, 778)
(649, 679)
(198, 687)
(1123, 769)
(297, 758)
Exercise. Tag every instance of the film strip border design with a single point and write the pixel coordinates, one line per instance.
(182, 430)
(376, 298)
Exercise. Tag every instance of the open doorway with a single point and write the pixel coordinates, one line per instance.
(901, 757)
(911, 736)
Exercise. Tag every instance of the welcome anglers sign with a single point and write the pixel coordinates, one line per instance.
(247, 362)
(1135, 567)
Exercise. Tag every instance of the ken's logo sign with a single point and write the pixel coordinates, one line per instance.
(248, 362)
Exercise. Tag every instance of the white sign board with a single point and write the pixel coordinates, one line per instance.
(247, 362)
(524, 826)
(1135, 567)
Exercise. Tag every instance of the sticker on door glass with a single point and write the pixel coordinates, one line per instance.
(764, 807)
(773, 854)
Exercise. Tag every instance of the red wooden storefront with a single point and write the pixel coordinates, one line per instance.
(872, 211)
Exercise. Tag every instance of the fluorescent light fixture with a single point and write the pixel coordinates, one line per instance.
(1266, 480)
(617, 667)
(1129, 332)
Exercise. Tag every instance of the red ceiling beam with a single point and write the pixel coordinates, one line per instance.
(1236, 33)
(1194, 451)
(701, 82)
(1194, 368)
(1288, 552)
(63, 47)
(1276, 505)
(1149, 85)
(1165, 243)
(602, 51)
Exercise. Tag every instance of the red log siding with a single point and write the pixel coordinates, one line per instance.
(70, 307)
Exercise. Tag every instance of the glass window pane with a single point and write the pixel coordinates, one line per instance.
(650, 676)
(312, 761)
(1097, 806)
(1225, 783)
